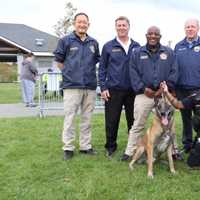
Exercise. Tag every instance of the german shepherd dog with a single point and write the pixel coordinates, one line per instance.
(159, 137)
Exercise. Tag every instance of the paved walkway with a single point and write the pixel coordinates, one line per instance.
(19, 110)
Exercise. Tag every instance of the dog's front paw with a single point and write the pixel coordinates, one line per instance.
(173, 171)
(130, 166)
(150, 175)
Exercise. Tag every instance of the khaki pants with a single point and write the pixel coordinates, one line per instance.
(142, 108)
(73, 100)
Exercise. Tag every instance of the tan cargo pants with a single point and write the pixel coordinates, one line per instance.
(75, 99)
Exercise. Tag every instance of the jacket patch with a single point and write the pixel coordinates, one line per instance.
(182, 49)
(73, 49)
(163, 56)
(116, 50)
(92, 48)
(144, 57)
(197, 48)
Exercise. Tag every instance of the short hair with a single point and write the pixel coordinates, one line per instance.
(192, 20)
(123, 18)
(153, 27)
(28, 55)
(81, 13)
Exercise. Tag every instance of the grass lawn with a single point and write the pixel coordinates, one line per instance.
(10, 93)
(31, 167)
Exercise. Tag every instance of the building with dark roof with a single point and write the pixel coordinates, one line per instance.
(19, 39)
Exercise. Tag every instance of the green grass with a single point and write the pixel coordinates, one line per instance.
(31, 167)
(10, 93)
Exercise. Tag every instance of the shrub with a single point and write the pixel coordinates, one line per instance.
(8, 72)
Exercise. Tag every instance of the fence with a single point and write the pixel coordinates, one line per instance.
(50, 95)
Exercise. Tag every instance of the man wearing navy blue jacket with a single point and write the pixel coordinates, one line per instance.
(149, 66)
(188, 57)
(115, 83)
(77, 55)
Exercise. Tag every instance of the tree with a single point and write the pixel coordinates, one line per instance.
(64, 25)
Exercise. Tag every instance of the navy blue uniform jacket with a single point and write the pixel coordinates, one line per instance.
(188, 58)
(79, 59)
(147, 70)
(114, 66)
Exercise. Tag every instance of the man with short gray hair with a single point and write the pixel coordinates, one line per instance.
(188, 58)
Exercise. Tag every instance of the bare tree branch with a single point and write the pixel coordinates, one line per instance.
(64, 25)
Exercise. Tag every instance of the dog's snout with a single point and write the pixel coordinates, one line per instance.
(162, 113)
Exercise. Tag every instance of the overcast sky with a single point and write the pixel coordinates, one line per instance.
(169, 15)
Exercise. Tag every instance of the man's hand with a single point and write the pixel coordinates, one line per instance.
(158, 92)
(164, 87)
(60, 65)
(149, 92)
(105, 95)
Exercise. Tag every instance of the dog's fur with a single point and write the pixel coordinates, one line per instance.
(152, 142)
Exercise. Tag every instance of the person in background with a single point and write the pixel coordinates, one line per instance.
(149, 66)
(188, 58)
(77, 55)
(115, 83)
(28, 78)
(45, 81)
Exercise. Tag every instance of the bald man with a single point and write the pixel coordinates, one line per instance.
(188, 58)
(149, 66)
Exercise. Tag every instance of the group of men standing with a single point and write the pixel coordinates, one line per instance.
(129, 76)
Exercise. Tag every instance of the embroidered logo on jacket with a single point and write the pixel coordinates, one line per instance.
(163, 56)
(92, 48)
(197, 48)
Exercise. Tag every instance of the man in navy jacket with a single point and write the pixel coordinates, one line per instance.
(77, 55)
(188, 57)
(149, 66)
(115, 83)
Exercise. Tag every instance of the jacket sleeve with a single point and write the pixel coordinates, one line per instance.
(135, 75)
(103, 66)
(33, 69)
(97, 53)
(173, 76)
(60, 51)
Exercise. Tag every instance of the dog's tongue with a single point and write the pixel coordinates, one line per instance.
(164, 121)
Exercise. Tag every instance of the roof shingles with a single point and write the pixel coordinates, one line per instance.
(26, 37)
